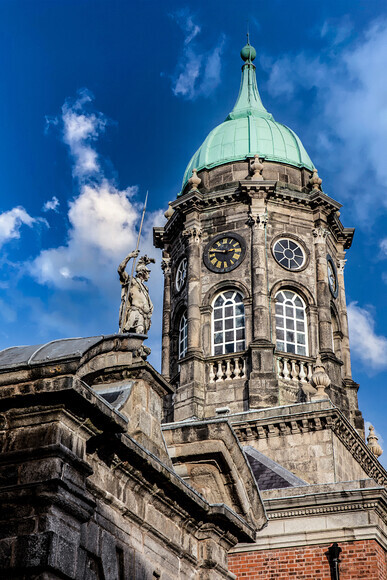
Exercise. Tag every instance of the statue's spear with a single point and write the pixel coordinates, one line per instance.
(133, 265)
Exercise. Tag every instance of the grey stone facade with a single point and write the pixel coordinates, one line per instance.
(261, 212)
(87, 487)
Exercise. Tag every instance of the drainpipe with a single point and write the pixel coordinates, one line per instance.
(334, 560)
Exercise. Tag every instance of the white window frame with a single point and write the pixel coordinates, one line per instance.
(236, 320)
(290, 320)
(183, 335)
(181, 274)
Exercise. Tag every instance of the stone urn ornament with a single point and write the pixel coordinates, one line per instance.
(320, 381)
(372, 442)
(194, 180)
(256, 168)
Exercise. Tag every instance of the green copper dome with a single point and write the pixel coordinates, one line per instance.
(249, 130)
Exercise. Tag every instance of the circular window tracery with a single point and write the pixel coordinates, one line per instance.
(289, 254)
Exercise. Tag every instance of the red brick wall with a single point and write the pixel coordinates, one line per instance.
(362, 560)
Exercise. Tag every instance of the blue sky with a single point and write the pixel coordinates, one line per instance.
(102, 100)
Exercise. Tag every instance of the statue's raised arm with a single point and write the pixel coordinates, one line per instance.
(124, 276)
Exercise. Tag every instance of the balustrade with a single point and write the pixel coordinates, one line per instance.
(227, 368)
(294, 368)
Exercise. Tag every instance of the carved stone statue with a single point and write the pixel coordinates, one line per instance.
(136, 306)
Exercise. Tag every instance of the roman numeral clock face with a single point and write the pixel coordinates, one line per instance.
(224, 252)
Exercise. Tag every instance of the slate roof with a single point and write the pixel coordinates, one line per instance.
(269, 474)
(64, 348)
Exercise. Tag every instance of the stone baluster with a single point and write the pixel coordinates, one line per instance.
(302, 374)
(286, 370)
(212, 375)
(242, 368)
(279, 367)
(293, 370)
(228, 370)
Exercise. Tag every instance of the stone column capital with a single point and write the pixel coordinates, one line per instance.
(320, 234)
(166, 266)
(258, 220)
(341, 265)
(192, 234)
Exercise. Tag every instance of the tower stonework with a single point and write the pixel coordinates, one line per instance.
(252, 224)
(255, 333)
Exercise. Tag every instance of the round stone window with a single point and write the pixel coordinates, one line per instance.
(289, 254)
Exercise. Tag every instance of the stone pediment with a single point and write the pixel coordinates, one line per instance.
(207, 455)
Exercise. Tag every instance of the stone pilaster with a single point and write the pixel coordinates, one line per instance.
(263, 389)
(345, 352)
(190, 396)
(323, 298)
(193, 236)
(166, 330)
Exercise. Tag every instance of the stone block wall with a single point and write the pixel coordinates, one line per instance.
(360, 560)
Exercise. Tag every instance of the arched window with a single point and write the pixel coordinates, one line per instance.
(336, 335)
(290, 319)
(228, 323)
(183, 335)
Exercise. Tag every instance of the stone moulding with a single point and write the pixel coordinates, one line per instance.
(327, 502)
(105, 431)
(307, 421)
(241, 191)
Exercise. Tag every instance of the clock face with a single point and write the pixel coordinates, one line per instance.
(181, 274)
(332, 277)
(224, 252)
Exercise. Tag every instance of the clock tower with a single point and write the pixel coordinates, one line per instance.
(253, 257)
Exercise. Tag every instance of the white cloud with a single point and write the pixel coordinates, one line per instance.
(51, 204)
(337, 30)
(80, 129)
(348, 117)
(383, 246)
(102, 230)
(368, 346)
(11, 222)
(103, 227)
(198, 70)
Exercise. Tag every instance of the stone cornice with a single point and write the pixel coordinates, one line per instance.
(342, 234)
(241, 192)
(309, 420)
(315, 515)
(333, 500)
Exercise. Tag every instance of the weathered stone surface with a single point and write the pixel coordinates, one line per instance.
(312, 440)
(261, 212)
(88, 491)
